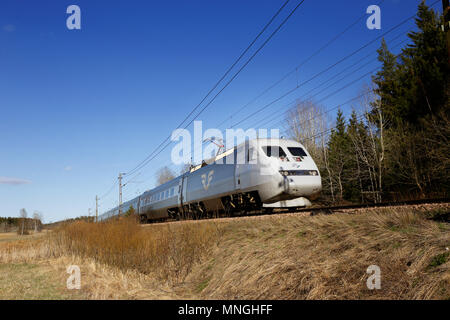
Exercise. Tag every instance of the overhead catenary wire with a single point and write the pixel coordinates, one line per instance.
(153, 155)
(130, 172)
(301, 64)
(328, 68)
(349, 84)
(339, 73)
(318, 74)
(146, 160)
(338, 90)
(385, 33)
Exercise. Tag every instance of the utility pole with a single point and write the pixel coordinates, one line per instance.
(96, 208)
(120, 193)
(446, 26)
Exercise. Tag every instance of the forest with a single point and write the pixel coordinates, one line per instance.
(395, 143)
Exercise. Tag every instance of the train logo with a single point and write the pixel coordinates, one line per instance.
(204, 183)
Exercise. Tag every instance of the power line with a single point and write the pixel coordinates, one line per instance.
(342, 88)
(109, 190)
(330, 66)
(331, 78)
(142, 163)
(295, 69)
(320, 73)
(347, 85)
(149, 158)
(215, 86)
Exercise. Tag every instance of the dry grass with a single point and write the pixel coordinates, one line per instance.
(168, 251)
(268, 257)
(326, 257)
(8, 236)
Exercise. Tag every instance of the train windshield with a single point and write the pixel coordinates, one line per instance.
(272, 151)
(297, 151)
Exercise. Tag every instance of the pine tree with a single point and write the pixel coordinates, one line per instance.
(388, 85)
(338, 149)
(354, 186)
(426, 66)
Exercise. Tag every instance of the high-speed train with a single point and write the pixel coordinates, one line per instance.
(259, 174)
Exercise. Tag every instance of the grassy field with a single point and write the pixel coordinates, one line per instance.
(266, 257)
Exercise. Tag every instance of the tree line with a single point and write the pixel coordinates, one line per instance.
(395, 144)
(22, 224)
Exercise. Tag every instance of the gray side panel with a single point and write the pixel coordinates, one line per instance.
(211, 181)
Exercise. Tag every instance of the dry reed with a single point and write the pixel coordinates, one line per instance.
(167, 251)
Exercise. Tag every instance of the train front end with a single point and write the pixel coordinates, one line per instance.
(296, 178)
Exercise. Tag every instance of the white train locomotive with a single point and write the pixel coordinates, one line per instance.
(260, 174)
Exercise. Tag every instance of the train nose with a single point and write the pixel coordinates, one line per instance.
(304, 186)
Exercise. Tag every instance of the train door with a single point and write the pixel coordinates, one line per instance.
(239, 160)
(138, 209)
(180, 192)
(237, 176)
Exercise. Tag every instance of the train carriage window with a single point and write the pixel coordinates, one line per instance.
(167, 194)
(272, 151)
(172, 191)
(297, 152)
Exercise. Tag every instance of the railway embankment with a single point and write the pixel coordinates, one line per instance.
(289, 256)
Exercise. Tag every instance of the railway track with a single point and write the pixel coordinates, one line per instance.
(328, 209)
(333, 209)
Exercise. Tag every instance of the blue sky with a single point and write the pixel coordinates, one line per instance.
(79, 106)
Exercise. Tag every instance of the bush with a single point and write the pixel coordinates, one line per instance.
(168, 250)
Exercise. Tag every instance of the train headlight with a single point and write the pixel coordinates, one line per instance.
(313, 172)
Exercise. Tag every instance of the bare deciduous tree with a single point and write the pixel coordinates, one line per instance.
(369, 145)
(308, 124)
(164, 175)
(37, 221)
(23, 222)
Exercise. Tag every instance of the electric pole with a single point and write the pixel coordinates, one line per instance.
(96, 208)
(120, 193)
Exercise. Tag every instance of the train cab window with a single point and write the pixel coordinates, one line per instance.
(272, 151)
(297, 152)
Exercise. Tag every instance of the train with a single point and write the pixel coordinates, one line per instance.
(256, 175)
